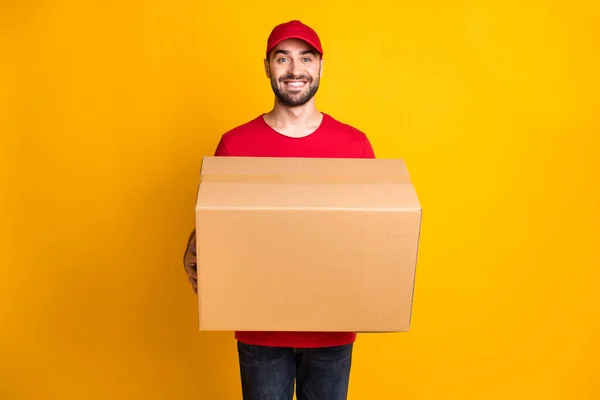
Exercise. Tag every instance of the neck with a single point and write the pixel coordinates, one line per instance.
(287, 117)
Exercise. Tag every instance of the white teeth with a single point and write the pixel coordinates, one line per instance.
(295, 84)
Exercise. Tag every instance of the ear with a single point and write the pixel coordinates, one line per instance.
(267, 68)
(321, 69)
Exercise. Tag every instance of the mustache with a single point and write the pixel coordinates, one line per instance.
(291, 77)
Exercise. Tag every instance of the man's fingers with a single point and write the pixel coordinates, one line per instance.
(189, 261)
(194, 283)
(191, 270)
(189, 257)
(190, 248)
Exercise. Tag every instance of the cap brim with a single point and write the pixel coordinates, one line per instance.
(299, 37)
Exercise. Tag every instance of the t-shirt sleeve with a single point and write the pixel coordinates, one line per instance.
(221, 148)
(367, 149)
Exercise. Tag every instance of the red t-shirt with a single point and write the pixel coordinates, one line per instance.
(332, 139)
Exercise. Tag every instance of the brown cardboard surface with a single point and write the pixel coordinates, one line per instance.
(306, 244)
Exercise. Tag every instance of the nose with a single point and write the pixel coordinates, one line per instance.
(295, 68)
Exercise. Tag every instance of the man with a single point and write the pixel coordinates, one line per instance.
(271, 362)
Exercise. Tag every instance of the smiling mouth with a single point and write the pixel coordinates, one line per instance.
(295, 84)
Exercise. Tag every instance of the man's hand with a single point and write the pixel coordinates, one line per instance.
(189, 261)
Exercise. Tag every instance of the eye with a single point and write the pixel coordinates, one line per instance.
(282, 59)
(307, 59)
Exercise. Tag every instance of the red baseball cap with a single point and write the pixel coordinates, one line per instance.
(293, 30)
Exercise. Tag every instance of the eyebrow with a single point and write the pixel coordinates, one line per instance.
(302, 52)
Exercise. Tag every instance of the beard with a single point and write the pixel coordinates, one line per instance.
(294, 100)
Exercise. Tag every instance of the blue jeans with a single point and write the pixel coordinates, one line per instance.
(269, 373)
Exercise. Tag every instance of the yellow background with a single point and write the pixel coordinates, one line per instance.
(106, 109)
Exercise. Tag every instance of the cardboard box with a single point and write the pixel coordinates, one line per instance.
(306, 244)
